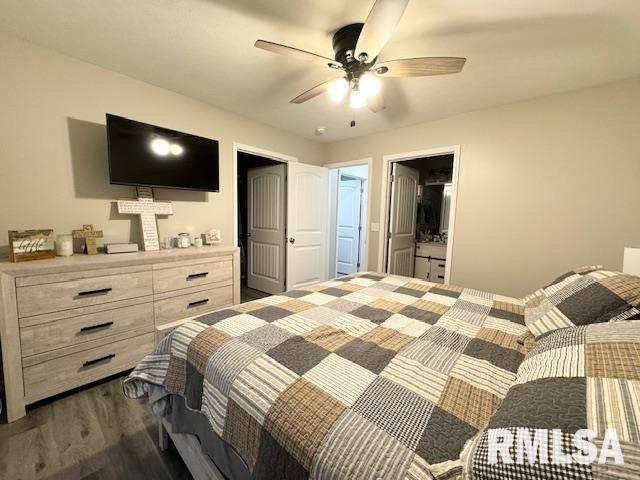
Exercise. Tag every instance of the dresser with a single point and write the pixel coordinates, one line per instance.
(66, 322)
(431, 262)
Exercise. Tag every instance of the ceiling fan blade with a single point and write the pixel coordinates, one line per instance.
(420, 67)
(380, 25)
(312, 93)
(376, 103)
(296, 53)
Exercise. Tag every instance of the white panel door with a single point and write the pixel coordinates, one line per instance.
(402, 220)
(266, 209)
(307, 224)
(349, 213)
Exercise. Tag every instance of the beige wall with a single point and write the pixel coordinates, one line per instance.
(545, 185)
(53, 167)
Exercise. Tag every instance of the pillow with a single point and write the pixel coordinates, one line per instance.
(581, 381)
(572, 275)
(536, 297)
(583, 297)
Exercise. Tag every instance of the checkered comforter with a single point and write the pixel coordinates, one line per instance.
(368, 376)
(585, 377)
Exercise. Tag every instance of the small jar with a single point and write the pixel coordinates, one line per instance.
(184, 240)
(197, 242)
(64, 245)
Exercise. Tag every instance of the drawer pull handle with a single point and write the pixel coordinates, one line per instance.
(195, 276)
(441, 277)
(198, 303)
(98, 360)
(442, 265)
(94, 327)
(101, 291)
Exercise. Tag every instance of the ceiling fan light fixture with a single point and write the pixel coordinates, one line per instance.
(369, 85)
(357, 99)
(338, 89)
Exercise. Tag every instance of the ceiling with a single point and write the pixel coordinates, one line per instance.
(516, 49)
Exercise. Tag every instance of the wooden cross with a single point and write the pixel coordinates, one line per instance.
(147, 209)
(89, 235)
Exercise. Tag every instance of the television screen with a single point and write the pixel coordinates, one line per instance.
(143, 154)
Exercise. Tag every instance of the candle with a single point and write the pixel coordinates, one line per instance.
(64, 245)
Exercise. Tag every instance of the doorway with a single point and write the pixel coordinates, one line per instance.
(261, 220)
(349, 194)
(281, 223)
(419, 193)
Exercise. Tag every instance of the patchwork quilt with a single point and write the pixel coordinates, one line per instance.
(581, 297)
(580, 378)
(368, 376)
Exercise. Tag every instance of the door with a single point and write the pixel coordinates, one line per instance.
(402, 220)
(266, 209)
(349, 225)
(307, 225)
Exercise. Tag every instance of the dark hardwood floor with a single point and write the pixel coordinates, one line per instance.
(91, 434)
(249, 294)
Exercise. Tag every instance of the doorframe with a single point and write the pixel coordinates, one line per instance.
(239, 147)
(368, 161)
(387, 160)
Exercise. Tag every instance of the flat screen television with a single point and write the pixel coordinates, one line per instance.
(147, 155)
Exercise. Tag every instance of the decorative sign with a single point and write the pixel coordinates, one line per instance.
(89, 235)
(212, 236)
(28, 245)
(147, 209)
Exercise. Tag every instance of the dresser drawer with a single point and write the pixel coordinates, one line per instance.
(54, 297)
(182, 306)
(192, 275)
(83, 328)
(437, 271)
(64, 373)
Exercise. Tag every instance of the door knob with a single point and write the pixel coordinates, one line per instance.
(292, 240)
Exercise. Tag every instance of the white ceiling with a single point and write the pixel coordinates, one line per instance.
(516, 49)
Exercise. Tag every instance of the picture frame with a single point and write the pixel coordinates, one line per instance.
(27, 245)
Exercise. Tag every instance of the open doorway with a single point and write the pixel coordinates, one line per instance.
(261, 221)
(419, 197)
(349, 206)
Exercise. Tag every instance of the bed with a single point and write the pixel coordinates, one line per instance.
(366, 376)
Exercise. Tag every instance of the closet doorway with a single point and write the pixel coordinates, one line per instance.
(419, 193)
(349, 194)
(281, 223)
(261, 219)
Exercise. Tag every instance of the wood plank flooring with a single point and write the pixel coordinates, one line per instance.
(92, 434)
(249, 294)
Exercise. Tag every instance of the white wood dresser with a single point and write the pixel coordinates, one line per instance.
(66, 322)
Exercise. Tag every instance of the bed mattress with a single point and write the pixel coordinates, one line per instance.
(367, 376)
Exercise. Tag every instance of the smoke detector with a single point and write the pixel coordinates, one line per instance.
(320, 130)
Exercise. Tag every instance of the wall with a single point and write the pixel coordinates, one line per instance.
(545, 185)
(53, 167)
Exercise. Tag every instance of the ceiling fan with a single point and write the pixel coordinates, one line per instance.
(356, 47)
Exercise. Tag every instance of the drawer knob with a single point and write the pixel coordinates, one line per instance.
(95, 327)
(98, 360)
(100, 291)
(198, 303)
(195, 276)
